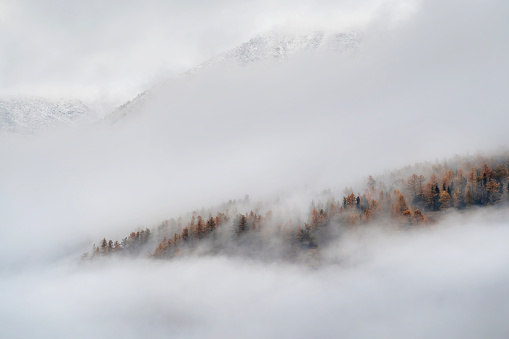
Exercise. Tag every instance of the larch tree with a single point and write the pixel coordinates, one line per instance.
(415, 185)
(185, 234)
(371, 184)
(419, 218)
(469, 199)
(493, 189)
(401, 205)
(241, 225)
(445, 200)
(350, 200)
(104, 246)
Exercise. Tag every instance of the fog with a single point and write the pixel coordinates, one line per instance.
(108, 51)
(414, 92)
(422, 87)
(447, 281)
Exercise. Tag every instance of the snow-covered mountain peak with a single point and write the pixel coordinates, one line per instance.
(272, 46)
(278, 46)
(32, 115)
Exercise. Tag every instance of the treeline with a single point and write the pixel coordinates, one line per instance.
(411, 200)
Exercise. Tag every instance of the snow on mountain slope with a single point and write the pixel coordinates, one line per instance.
(276, 46)
(273, 46)
(127, 108)
(32, 115)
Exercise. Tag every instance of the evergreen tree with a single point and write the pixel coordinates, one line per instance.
(469, 199)
(241, 225)
(445, 200)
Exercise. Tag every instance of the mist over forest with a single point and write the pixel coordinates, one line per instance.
(355, 192)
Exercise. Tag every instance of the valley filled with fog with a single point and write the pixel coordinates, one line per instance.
(449, 281)
(426, 86)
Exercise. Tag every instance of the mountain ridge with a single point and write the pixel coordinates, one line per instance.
(31, 115)
(272, 46)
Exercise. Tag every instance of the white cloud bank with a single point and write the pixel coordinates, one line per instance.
(430, 87)
(111, 50)
(447, 281)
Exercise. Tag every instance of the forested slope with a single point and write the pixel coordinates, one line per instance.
(415, 196)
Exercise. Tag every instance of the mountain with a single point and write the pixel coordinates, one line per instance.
(405, 199)
(32, 115)
(279, 46)
(273, 46)
(128, 108)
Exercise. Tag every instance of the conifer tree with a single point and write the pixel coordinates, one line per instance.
(185, 234)
(350, 200)
(469, 199)
(104, 246)
(419, 218)
(445, 200)
(401, 204)
(493, 189)
(241, 225)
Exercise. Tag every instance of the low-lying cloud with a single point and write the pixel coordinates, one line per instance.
(446, 281)
(423, 89)
(111, 50)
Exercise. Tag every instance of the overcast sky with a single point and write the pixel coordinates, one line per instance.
(111, 50)
(425, 88)
(431, 82)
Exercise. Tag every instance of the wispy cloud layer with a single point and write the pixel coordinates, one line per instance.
(444, 282)
(428, 82)
(428, 89)
(113, 50)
